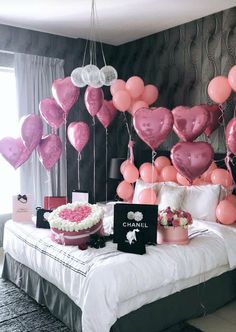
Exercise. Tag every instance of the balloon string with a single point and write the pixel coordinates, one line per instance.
(106, 160)
(228, 159)
(127, 125)
(79, 158)
(153, 164)
(94, 160)
(131, 150)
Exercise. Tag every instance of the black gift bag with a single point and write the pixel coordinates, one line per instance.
(41, 218)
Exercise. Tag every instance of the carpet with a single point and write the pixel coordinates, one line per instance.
(20, 313)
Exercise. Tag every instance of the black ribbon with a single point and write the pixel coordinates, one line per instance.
(22, 198)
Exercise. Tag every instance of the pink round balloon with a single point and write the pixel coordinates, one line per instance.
(49, 150)
(131, 173)
(51, 112)
(125, 190)
(232, 78)
(78, 134)
(135, 86)
(182, 180)
(219, 89)
(221, 176)
(93, 98)
(124, 164)
(226, 212)
(150, 94)
(121, 100)
(153, 125)
(143, 166)
(192, 159)
(161, 162)
(189, 123)
(147, 196)
(107, 113)
(148, 173)
(231, 199)
(117, 85)
(230, 135)
(31, 130)
(169, 173)
(137, 105)
(215, 118)
(65, 93)
(206, 176)
(14, 151)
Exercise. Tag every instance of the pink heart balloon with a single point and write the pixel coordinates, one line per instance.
(230, 135)
(78, 134)
(51, 112)
(107, 113)
(189, 123)
(192, 159)
(153, 125)
(65, 93)
(14, 151)
(215, 118)
(49, 150)
(31, 130)
(93, 98)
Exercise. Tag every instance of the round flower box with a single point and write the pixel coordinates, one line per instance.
(173, 226)
(172, 235)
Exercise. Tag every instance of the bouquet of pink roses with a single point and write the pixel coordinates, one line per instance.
(171, 217)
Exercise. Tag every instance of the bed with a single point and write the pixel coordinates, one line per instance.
(107, 290)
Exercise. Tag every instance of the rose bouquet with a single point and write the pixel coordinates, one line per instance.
(174, 218)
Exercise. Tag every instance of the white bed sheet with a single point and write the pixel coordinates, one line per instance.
(107, 284)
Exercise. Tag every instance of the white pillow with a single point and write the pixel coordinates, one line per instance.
(171, 195)
(201, 201)
(140, 185)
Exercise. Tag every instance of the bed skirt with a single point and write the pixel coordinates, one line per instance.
(189, 303)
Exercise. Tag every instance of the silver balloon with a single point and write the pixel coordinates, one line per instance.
(108, 74)
(91, 74)
(98, 84)
(76, 77)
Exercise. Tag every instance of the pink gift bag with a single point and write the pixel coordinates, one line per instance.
(21, 208)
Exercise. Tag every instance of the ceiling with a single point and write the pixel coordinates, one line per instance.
(119, 21)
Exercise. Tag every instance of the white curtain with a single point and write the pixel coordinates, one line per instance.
(34, 78)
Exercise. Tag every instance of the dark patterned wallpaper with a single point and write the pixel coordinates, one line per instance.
(180, 61)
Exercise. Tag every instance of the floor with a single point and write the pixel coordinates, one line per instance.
(223, 320)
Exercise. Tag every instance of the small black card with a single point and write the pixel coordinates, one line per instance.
(134, 226)
(41, 218)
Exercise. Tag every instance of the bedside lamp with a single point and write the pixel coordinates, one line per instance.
(114, 172)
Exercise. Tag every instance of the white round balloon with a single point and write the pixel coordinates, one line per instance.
(76, 77)
(108, 74)
(91, 74)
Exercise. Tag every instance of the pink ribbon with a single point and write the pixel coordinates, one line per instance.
(131, 151)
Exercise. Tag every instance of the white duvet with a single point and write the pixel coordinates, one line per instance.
(107, 284)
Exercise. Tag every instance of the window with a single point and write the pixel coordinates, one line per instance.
(9, 126)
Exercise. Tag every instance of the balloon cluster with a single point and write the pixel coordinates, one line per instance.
(163, 171)
(91, 75)
(49, 147)
(219, 90)
(132, 95)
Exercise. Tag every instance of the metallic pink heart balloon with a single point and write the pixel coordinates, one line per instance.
(93, 99)
(49, 150)
(230, 135)
(189, 123)
(14, 151)
(192, 159)
(107, 113)
(31, 130)
(215, 118)
(153, 125)
(65, 93)
(51, 112)
(78, 134)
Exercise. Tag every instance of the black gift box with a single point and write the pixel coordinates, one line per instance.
(134, 226)
(41, 218)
